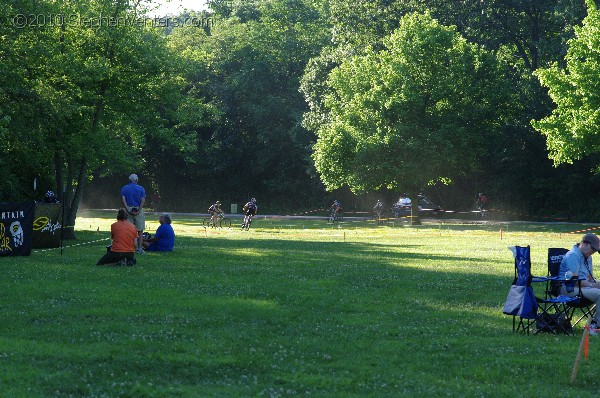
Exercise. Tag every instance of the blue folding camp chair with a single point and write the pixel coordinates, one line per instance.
(521, 302)
(556, 310)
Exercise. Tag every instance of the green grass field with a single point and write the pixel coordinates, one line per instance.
(289, 308)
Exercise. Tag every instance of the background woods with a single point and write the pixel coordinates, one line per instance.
(284, 99)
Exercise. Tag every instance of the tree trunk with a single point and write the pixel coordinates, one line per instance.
(77, 195)
(81, 170)
(415, 217)
(58, 173)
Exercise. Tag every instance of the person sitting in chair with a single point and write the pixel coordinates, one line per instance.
(164, 238)
(578, 260)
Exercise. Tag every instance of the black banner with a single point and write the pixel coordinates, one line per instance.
(16, 228)
(47, 225)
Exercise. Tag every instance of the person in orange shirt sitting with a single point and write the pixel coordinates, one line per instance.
(124, 242)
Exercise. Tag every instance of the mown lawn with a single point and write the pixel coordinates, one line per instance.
(289, 308)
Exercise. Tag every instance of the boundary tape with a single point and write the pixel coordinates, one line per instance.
(306, 212)
(491, 210)
(77, 244)
(583, 230)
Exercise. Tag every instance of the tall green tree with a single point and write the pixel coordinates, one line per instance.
(526, 35)
(571, 129)
(96, 83)
(523, 34)
(251, 63)
(419, 111)
(22, 51)
(191, 124)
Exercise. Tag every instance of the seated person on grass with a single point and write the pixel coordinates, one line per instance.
(164, 238)
(124, 242)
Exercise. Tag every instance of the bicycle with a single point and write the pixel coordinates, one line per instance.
(247, 221)
(481, 211)
(222, 221)
(335, 216)
(378, 218)
(481, 205)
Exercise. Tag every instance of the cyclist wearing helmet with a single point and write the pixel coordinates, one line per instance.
(250, 208)
(482, 201)
(378, 208)
(214, 210)
(50, 197)
(336, 206)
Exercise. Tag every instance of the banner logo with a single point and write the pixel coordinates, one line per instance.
(44, 224)
(4, 240)
(17, 233)
(40, 223)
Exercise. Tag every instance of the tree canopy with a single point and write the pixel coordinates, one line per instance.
(571, 129)
(418, 111)
(245, 101)
(86, 92)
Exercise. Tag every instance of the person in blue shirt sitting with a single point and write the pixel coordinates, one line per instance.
(164, 238)
(578, 260)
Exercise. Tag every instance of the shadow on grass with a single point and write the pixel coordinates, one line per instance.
(250, 315)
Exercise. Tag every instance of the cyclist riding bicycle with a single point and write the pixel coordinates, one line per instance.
(482, 202)
(335, 210)
(249, 210)
(214, 211)
(378, 208)
(336, 206)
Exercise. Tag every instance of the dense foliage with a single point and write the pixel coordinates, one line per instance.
(420, 110)
(88, 89)
(231, 106)
(572, 128)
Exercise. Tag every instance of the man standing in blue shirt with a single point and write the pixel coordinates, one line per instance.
(133, 197)
(164, 238)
